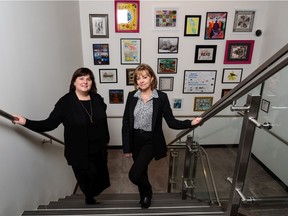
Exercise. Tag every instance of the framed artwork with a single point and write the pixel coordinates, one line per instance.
(116, 96)
(101, 54)
(127, 16)
(224, 92)
(108, 75)
(99, 26)
(238, 51)
(232, 75)
(130, 50)
(215, 25)
(177, 103)
(243, 21)
(130, 76)
(199, 81)
(265, 105)
(205, 53)
(168, 45)
(202, 103)
(166, 18)
(192, 25)
(167, 65)
(166, 83)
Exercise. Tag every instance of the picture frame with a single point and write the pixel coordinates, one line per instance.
(130, 51)
(238, 51)
(199, 81)
(167, 65)
(99, 25)
(177, 103)
(205, 53)
(168, 45)
(192, 25)
(224, 92)
(243, 21)
(130, 76)
(108, 76)
(101, 54)
(166, 83)
(202, 103)
(232, 75)
(265, 104)
(216, 23)
(127, 16)
(116, 96)
(165, 18)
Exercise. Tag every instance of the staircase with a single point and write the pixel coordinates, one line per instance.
(128, 205)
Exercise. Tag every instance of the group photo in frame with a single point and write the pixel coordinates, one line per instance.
(108, 76)
(232, 75)
(215, 25)
(167, 45)
(166, 83)
(238, 51)
(99, 26)
(205, 53)
(165, 18)
(192, 25)
(243, 21)
(116, 96)
(167, 65)
(127, 18)
(202, 103)
(130, 76)
(101, 54)
(177, 103)
(130, 50)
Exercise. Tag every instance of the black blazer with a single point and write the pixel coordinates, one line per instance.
(69, 111)
(161, 108)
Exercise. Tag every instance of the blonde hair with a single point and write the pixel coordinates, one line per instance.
(145, 68)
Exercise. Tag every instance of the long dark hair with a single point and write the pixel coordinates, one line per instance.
(83, 72)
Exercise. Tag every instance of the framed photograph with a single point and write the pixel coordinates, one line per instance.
(130, 76)
(202, 103)
(199, 81)
(127, 17)
(224, 92)
(166, 83)
(192, 25)
(108, 75)
(99, 26)
(265, 105)
(116, 96)
(167, 65)
(166, 18)
(215, 25)
(101, 54)
(130, 50)
(205, 53)
(238, 51)
(243, 21)
(168, 45)
(177, 103)
(232, 75)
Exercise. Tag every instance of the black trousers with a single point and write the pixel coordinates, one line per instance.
(142, 156)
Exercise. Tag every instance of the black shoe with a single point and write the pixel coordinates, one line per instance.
(146, 202)
(90, 201)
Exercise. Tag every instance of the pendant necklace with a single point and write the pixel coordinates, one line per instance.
(90, 115)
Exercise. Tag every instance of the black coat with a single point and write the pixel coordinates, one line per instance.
(69, 111)
(161, 108)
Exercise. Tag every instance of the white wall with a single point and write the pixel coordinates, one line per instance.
(40, 49)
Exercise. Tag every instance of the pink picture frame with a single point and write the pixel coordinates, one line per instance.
(239, 51)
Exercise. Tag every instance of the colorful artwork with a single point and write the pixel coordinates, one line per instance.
(127, 16)
(215, 25)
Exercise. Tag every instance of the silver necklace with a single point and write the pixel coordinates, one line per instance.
(90, 115)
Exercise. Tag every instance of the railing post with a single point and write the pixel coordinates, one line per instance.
(172, 169)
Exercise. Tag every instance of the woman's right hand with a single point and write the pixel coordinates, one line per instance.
(128, 155)
(19, 120)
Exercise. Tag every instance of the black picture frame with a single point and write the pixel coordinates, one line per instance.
(205, 53)
(168, 45)
(166, 83)
(108, 75)
(116, 96)
(192, 25)
(130, 76)
(167, 65)
(265, 104)
(101, 54)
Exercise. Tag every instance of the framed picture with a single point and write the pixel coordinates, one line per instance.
(130, 50)
(166, 83)
(232, 75)
(224, 92)
(238, 51)
(215, 25)
(168, 45)
(265, 105)
(205, 53)
(130, 76)
(199, 81)
(101, 54)
(202, 103)
(167, 65)
(243, 21)
(108, 75)
(127, 17)
(99, 26)
(116, 96)
(192, 25)
(177, 103)
(166, 18)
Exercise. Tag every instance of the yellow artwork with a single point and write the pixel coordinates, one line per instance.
(127, 16)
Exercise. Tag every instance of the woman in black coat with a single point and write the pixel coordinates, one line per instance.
(83, 113)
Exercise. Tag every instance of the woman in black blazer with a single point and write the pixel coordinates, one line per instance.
(83, 113)
(142, 134)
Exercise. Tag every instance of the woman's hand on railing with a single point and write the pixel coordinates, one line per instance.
(196, 120)
(19, 120)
